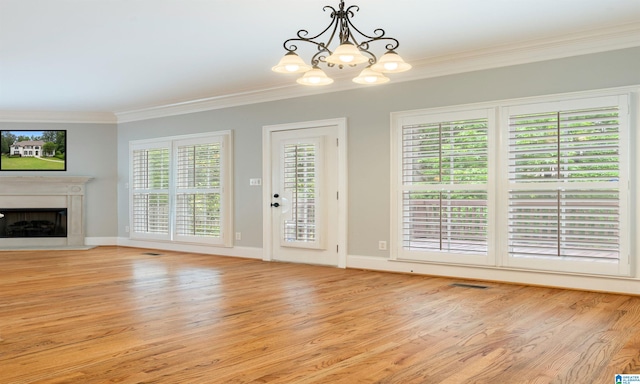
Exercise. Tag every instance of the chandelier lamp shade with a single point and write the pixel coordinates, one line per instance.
(350, 48)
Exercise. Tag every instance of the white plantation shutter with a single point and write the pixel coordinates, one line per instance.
(181, 189)
(443, 189)
(151, 213)
(445, 221)
(581, 224)
(198, 190)
(574, 145)
(545, 187)
(300, 173)
(567, 186)
(452, 152)
(150, 185)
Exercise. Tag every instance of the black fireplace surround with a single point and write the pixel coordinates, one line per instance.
(33, 222)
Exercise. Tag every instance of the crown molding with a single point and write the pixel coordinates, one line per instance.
(575, 44)
(57, 117)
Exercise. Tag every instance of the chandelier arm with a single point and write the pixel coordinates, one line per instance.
(365, 50)
(292, 47)
(391, 46)
(348, 12)
(320, 57)
(379, 36)
(334, 16)
(353, 49)
(302, 35)
(333, 10)
(323, 48)
(335, 23)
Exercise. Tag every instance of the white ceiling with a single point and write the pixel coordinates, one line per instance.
(124, 55)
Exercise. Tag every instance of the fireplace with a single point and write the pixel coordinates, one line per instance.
(42, 211)
(33, 222)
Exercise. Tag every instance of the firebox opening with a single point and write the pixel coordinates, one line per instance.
(33, 222)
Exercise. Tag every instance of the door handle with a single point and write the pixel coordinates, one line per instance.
(275, 205)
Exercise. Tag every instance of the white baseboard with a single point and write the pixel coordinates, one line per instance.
(629, 286)
(98, 241)
(547, 279)
(245, 252)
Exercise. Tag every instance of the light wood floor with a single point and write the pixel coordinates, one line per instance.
(117, 315)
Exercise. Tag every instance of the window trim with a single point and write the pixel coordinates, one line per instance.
(320, 218)
(147, 145)
(227, 190)
(498, 259)
(623, 266)
(400, 119)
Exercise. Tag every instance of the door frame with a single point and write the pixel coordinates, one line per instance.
(267, 230)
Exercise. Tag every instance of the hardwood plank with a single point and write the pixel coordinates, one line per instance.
(114, 314)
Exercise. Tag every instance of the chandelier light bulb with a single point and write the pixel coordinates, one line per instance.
(347, 53)
(370, 77)
(391, 62)
(392, 66)
(291, 63)
(315, 76)
(346, 58)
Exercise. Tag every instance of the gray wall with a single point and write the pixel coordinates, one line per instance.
(91, 151)
(367, 111)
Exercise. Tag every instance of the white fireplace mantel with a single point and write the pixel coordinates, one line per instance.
(47, 192)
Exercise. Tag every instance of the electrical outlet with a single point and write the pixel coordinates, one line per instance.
(238, 235)
(382, 245)
(255, 182)
(126, 229)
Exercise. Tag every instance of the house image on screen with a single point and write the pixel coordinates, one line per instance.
(29, 149)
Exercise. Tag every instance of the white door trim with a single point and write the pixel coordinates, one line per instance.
(341, 123)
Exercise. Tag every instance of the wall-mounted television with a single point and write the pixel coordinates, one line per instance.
(33, 150)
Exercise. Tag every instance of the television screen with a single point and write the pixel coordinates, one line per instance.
(31, 150)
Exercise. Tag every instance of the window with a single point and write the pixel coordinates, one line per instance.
(181, 189)
(544, 187)
(443, 188)
(567, 185)
(150, 198)
(300, 182)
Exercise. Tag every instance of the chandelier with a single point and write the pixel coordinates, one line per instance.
(353, 49)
